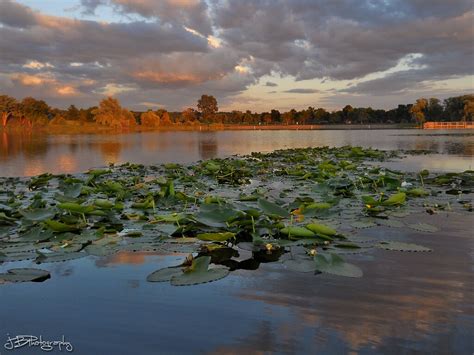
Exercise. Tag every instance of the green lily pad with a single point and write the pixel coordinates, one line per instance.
(60, 227)
(75, 207)
(199, 272)
(215, 237)
(300, 265)
(57, 257)
(25, 275)
(390, 223)
(17, 256)
(297, 232)
(395, 199)
(39, 214)
(398, 246)
(215, 215)
(165, 274)
(72, 190)
(424, 227)
(101, 250)
(418, 192)
(400, 214)
(36, 234)
(363, 224)
(271, 208)
(321, 229)
(334, 264)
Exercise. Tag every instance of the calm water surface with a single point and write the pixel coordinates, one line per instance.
(406, 303)
(33, 154)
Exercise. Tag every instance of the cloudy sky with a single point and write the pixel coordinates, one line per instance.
(255, 55)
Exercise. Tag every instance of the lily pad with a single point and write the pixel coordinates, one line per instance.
(390, 223)
(271, 208)
(39, 214)
(300, 265)
(297, 232)
(57, 257)
(199, 272)
(25, 275)
(363, 224)
(215, 237)
(36, 234)
(399, 246)
(164, 274)
(334, 264)
(424, 227)
(321, 229)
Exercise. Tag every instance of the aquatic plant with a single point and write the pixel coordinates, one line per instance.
(303, 208)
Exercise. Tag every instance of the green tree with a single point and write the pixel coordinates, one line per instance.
(207, 105)
(347, 113)
(454, 108)
(321, 115)
(434, 110)
(276, 116)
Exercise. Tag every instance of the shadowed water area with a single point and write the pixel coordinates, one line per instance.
(405, 302)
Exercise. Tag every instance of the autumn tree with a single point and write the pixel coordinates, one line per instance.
(207, 105)
(468, 110)
(8, 105)
(110, 113)
(166, 119)
(189, 116)
(289, 117)
(34, 110)
(86, 115)
(267, 118)
(306, 115)
(418, 110)
(149, 119)
(72, 113)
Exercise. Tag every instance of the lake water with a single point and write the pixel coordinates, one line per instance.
(32, 154)
(405, 303)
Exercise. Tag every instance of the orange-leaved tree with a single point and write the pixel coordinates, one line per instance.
(110, 113)
(150, 119)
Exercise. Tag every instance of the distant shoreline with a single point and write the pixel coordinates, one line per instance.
(87, 128)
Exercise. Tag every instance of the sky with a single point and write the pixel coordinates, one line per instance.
(250, 55)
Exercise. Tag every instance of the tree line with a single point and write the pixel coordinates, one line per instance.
(32, 112)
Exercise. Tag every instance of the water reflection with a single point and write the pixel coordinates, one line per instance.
(27, 153)
(405, 303)
(25, 143)
(207, 145)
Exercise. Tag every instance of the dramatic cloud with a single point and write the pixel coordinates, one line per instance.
(171, 51)
(302, 91)
(190, 13)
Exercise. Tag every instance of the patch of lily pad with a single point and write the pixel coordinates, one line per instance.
(303, 207)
